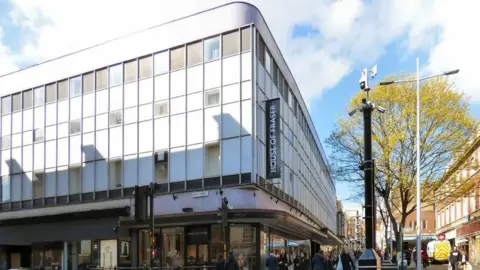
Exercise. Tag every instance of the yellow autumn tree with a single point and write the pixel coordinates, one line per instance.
(446, 129)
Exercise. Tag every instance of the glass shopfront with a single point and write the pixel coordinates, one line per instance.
(244, 245)
(199, 245)
(48, 256)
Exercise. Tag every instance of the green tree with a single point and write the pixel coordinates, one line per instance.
(446, 130)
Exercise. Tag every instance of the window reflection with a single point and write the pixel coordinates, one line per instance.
(243, 245)
(173, 247)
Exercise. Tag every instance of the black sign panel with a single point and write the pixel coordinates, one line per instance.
(273, 139)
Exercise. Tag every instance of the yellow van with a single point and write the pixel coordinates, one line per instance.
(438, 251)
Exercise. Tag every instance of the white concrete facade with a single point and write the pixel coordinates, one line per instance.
(181, 104)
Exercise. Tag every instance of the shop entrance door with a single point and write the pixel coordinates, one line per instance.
(197, 246)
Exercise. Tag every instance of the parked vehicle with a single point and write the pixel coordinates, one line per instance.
(438, 251)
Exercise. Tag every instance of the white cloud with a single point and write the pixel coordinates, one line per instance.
(7, 62)
(353, 32)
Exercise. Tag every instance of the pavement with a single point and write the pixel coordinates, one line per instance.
(440, 267)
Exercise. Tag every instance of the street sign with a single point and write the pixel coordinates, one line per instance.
(407, 229)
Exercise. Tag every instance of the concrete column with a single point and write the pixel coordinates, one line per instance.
(74, 256)
(65, 256)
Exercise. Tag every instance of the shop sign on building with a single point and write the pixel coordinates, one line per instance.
(273, 138)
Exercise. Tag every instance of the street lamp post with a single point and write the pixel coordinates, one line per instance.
(419, 192)
(369, 258)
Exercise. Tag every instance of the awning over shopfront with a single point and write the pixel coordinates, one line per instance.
(275, 219)
(461, 242)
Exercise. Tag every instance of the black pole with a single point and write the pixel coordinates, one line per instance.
(368, 171)
(153, 240)
(224, 227)
(369, 258)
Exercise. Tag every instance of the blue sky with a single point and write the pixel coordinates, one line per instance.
(326, 43)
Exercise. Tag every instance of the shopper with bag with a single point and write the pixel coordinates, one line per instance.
(454, 259)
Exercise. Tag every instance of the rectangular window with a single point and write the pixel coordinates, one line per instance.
(17, 102)
(260, 50)
(75, 127)
(230, 43)
(246, 41)
(38, 185)
(75, 180)
(101, 79)
(212, 159)
(5, 191)
(146, 67)
(6, 105)
(39, 96)
(177, 58)
(62, 90)
(88, 82)
(115, 75)
(115, 118)
(194, 53)
(161, 108)
(51, 92)
(38, 135)
(424, 224)
(275, 74)
(5, 141)
(211, 49)
(268, 62)
(212, 97)
(28, 99)
(161, 167)
(130, 70)
(75, 86)
(115, 175)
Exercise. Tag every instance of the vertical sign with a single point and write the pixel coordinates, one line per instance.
(273, 138)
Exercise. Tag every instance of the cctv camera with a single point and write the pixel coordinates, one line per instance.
(380, 109)
(364, 80)
(352, 112)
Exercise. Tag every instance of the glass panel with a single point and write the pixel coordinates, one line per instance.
(194, 53)
(211, 49)
(115, 174)
(101, 79)
(38, 185)
(230, 43)
(130, 69)
(88, 82)
(246, 39)
(27, 99)
(75, 127)
(115, 118)
(212, 159)
(75, 86)
(39, 96)
(161, 109)
(38, 135)
(203, 254)
(161, 62)
(116, 75)
(6, 105)
(216, 245)
(212, 97)
(177, 58)
(191, 254)
(173, 247)
(62, 90)
(243, 245)
(17, 102)
(51, 92)
(146, 67)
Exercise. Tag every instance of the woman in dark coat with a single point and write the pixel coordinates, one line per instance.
(304, 261)
(283, 261)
